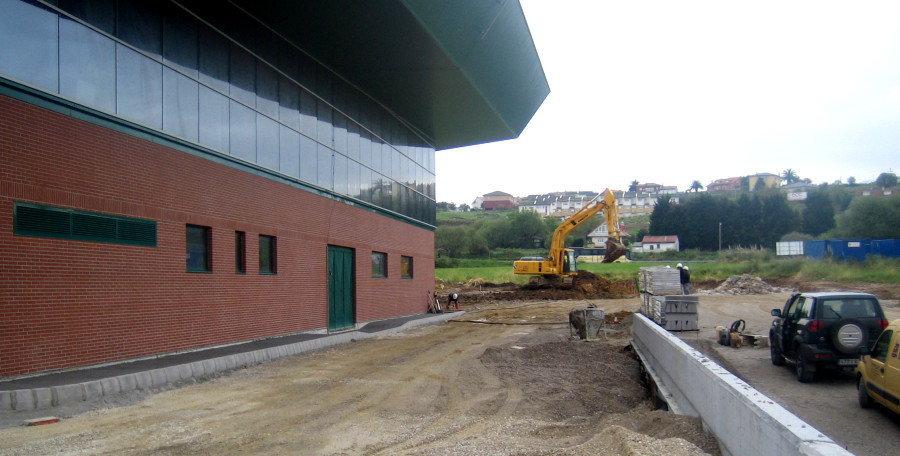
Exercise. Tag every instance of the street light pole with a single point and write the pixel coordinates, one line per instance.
(720, 236)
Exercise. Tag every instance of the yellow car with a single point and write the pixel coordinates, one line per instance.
(878, 373)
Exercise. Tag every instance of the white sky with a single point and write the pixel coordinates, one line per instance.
(669, 92)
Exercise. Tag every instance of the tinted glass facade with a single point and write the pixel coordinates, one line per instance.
(226, 83)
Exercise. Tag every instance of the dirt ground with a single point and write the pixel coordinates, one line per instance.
(460, 388)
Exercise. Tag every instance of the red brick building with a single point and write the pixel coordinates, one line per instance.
(178, 176)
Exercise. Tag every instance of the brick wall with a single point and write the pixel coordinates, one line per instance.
(73, 303)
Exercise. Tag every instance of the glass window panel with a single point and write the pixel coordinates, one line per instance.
(398, 168)
(289, 103)
(242, 75)
(353, 140)
(140, 25)
(289, 156)
(308, 159)
(324, 161)
(138, 87)
(307, 114)
(240, 252)
(353, 172)
(29, 44)
(181, 104)
(379, 264)
(324, 84)
(266, 90)
(242, 131)
(406, 267)
(340, 174)
(375, 189)
(198, 248)
(180, 37)
(365, 184)
(324, 126)
(365, 148)
(267, 142)
(87, 66)
(213, 57)
(340, 133)
(213, 120)
(267, 254)
(386, 156)
(99, 13)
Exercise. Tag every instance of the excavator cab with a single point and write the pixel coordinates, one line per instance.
(570, 264)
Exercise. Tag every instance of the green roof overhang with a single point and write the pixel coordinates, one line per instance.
(461, 72)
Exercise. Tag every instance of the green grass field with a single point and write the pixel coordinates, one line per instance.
(875, 270)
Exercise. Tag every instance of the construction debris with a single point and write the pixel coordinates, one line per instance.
(746, 284)
(662, 299)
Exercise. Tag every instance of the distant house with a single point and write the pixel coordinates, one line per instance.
(498, 201)
(647, 188)
(798, 191)
(600, 234)
(557, 203)
(478, 202)
(875, 192)
(768, 179)
(724, 185)
(657, 244)
(637, 203)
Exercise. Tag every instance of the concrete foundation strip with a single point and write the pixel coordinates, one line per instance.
(43, 398)
(745, 421)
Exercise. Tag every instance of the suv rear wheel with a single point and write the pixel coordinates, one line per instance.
(805, 374)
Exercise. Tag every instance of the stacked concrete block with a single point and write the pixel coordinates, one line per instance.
(663, 302)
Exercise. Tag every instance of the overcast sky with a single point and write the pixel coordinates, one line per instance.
(671, 92)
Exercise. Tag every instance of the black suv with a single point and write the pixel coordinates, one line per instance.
(819, 331)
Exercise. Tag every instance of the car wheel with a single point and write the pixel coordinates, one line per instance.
(848, 336)
(804, 373)
(777, 357)
(862, 393)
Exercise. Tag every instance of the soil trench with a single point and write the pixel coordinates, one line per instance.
(459, 388)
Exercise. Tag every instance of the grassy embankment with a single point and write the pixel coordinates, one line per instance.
(878, 270)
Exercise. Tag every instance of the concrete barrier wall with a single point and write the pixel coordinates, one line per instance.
(745, 421)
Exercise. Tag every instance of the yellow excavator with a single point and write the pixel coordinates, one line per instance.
(559, 264)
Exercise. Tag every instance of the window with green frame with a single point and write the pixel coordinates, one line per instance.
(379, 264)
(406, 267)
(268, 253)
(199, 248)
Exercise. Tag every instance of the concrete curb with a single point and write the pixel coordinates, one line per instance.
(745, 421)
(43, 398)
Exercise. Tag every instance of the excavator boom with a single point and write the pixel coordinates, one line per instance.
(561, 261)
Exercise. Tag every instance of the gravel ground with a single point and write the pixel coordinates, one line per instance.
(459, 388)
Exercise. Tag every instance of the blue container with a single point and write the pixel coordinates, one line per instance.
(815, 249)
(885, 247)
(849, 249)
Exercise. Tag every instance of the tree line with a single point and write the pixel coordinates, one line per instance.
(765, 217)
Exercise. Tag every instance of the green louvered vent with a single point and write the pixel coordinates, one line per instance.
(44, 221)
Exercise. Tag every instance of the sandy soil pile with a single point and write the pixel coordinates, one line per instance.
(586, 285)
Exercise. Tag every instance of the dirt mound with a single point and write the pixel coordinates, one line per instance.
(585, 285)
(746, 284)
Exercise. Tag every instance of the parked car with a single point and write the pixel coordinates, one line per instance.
(818, 331)
(878, 373)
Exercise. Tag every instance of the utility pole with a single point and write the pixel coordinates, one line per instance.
(720, 236)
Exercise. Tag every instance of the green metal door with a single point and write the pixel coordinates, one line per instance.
(341, 288)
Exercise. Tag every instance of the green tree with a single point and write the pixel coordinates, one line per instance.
(696, 186)
(494, 232)
(870, 217)
(818, 215)
(886, 180)
(451, 240)
(633, 186)
(851, 181)
(524, 228)
(661, 219)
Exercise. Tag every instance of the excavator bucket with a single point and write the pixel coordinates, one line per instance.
(614, 250)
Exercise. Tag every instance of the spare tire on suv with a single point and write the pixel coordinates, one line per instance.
(848, 336)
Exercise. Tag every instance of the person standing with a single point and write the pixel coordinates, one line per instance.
(686, 280)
